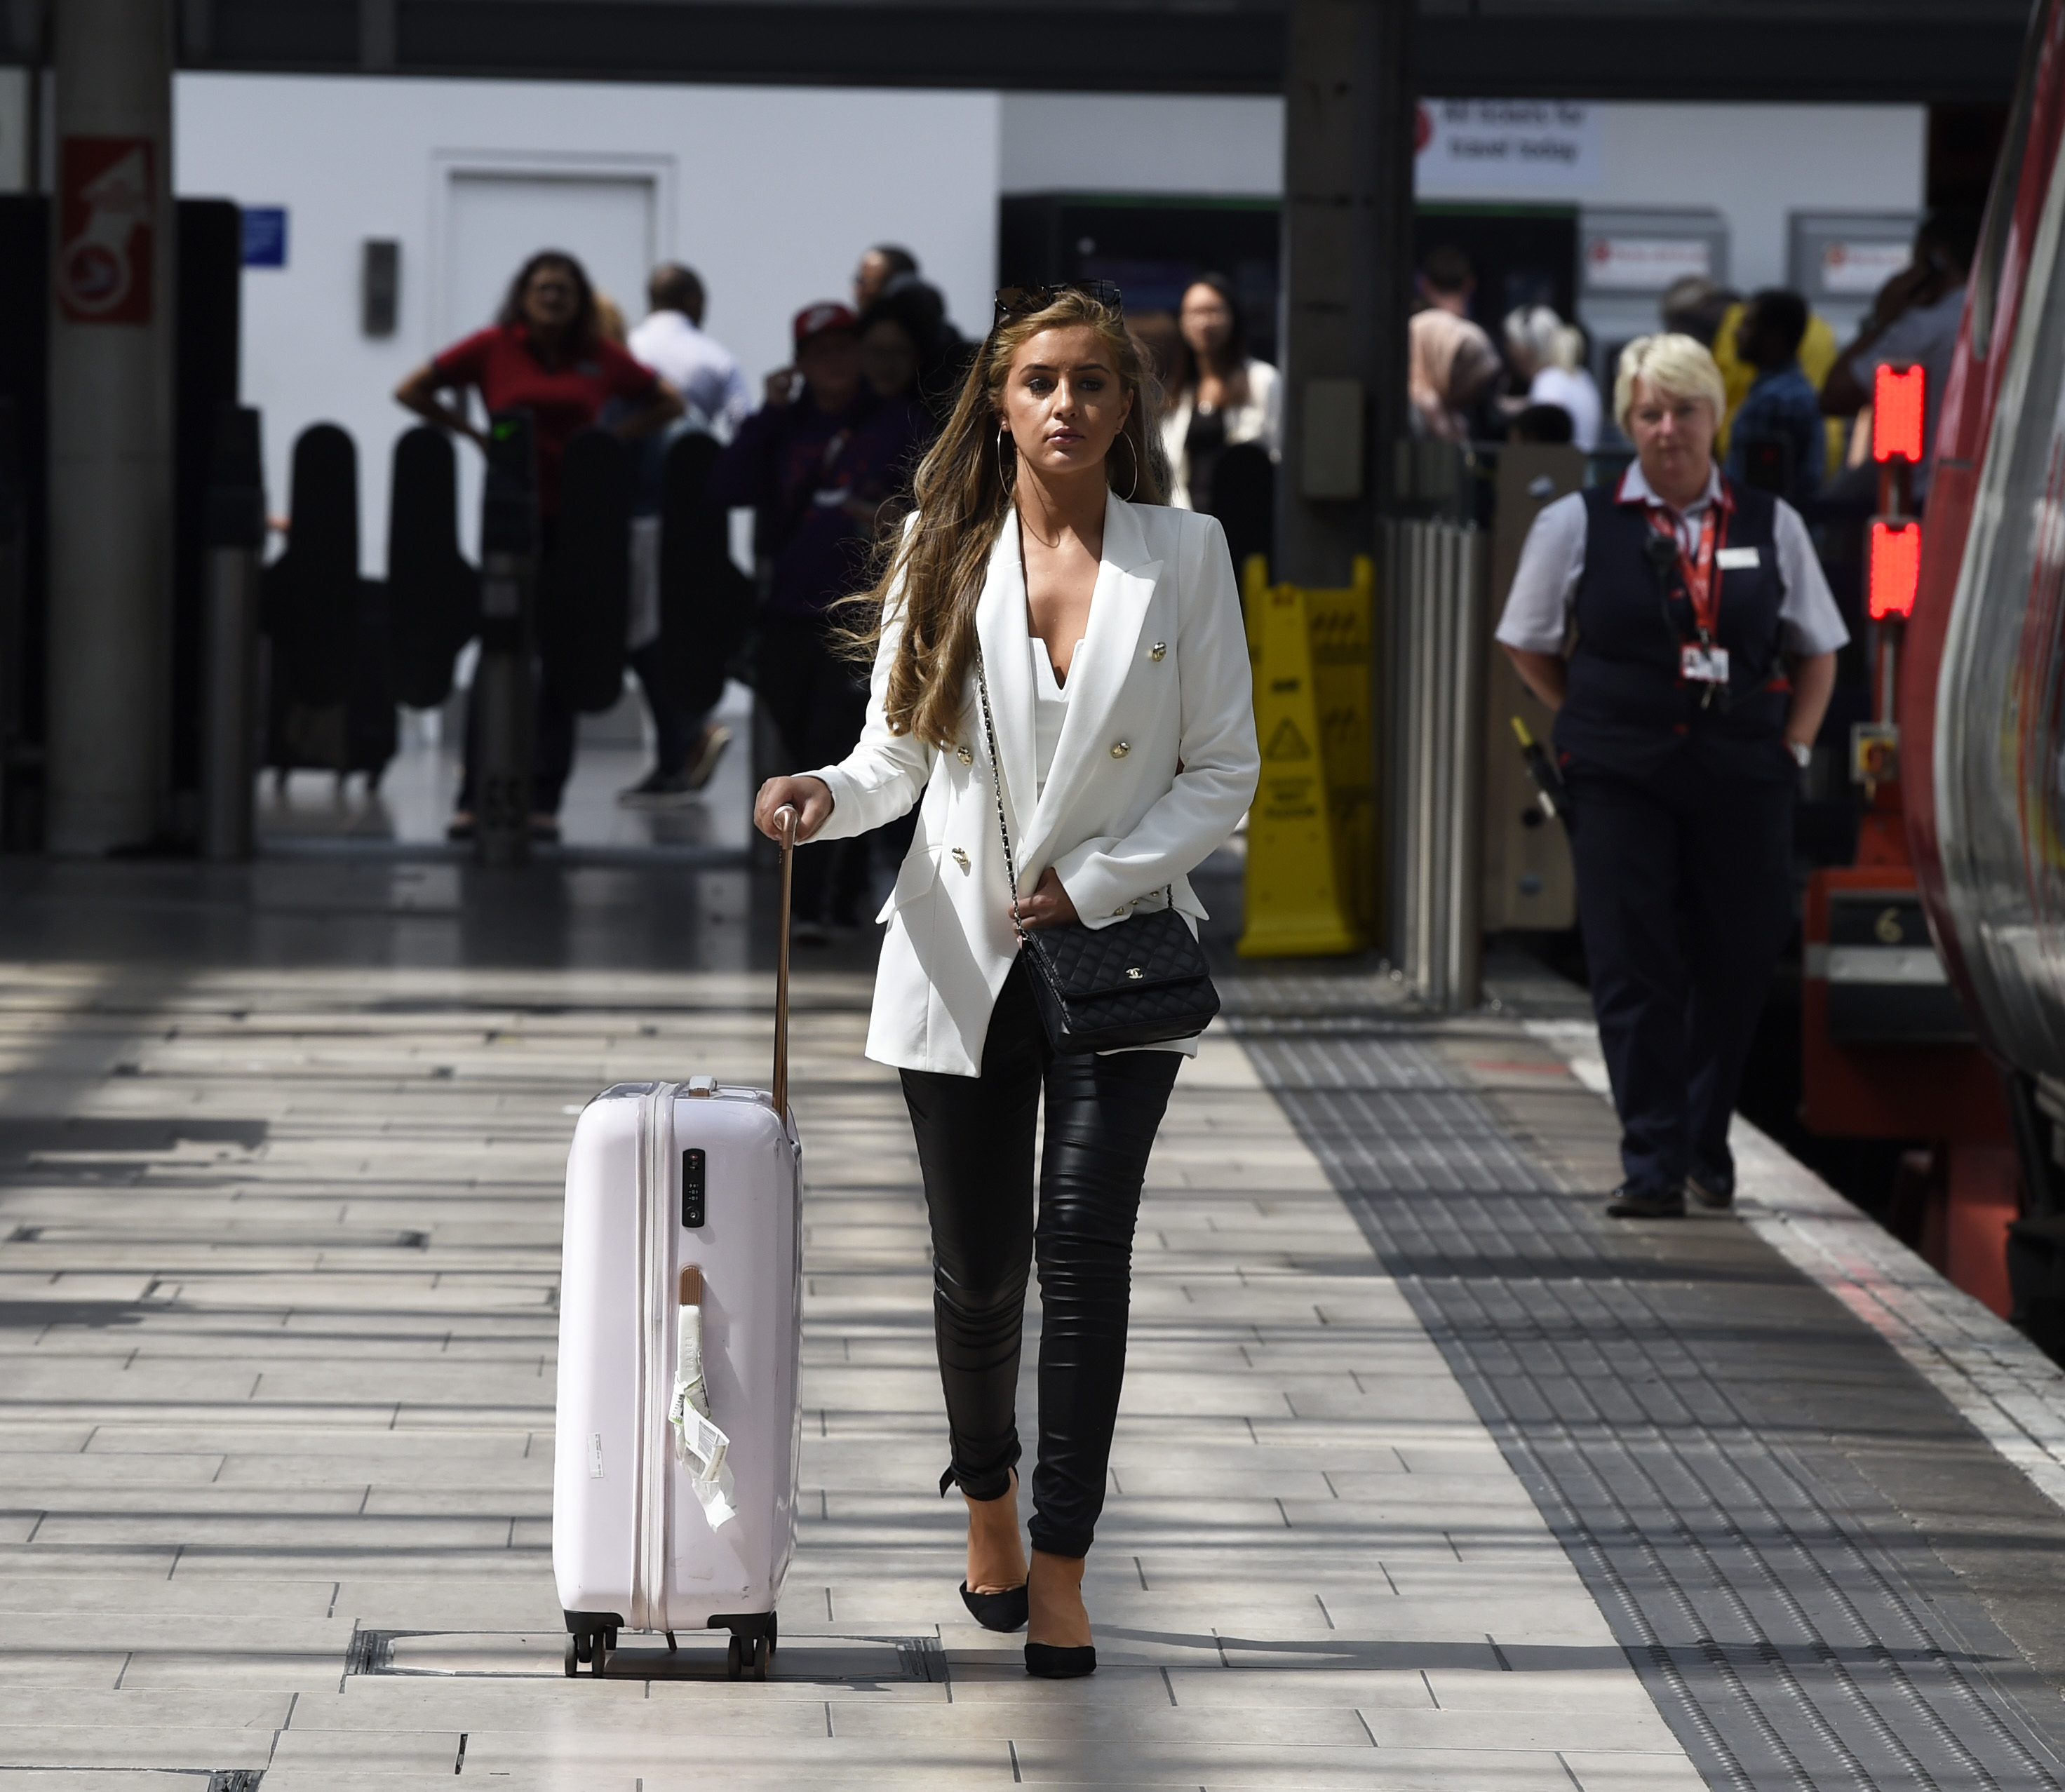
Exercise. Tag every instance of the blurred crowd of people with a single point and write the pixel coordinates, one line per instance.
(821, 462)
(824, 461)
(1798, 403)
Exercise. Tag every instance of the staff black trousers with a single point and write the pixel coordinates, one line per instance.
(1685, 895)
(975, 1144)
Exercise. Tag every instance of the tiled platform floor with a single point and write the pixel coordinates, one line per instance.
(277, 1252)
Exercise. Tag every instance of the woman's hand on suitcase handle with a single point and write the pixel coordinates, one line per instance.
(810, 797)
(1049, 904)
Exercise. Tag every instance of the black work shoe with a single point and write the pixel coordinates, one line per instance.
(1714, 1190)
(1628, 1202)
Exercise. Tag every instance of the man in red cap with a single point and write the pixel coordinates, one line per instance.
(796, 462)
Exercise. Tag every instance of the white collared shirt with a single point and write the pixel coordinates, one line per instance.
(696, 366)
(1552, 564)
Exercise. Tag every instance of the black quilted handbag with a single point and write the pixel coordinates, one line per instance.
(1141, 981)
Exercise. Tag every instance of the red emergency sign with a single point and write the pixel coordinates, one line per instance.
(107, 201)
(1896, 567)
(1897, 414)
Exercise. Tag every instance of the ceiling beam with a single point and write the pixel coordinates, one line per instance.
(1958, 50)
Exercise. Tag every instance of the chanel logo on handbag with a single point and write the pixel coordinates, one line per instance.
(1134, 972)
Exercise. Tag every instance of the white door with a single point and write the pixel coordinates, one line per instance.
(495, 221)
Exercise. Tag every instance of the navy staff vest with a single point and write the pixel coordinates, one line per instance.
(1629, 711)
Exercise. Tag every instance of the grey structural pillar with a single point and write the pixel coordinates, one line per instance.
(1349, 112)
(111, 439)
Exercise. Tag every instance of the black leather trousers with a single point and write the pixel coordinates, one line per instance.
(974, 1143)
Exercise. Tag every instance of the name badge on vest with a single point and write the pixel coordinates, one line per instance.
(1703, 665)
(1737, 560)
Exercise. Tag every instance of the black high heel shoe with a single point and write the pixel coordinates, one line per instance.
(1009, 1610)
(1052, 1661)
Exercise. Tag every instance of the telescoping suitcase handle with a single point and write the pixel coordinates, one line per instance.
(785, 819)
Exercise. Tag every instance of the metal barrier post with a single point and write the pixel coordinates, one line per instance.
(234, 544)
(14, 683)
(1436, 607)
(1464, 870)
(504, 703)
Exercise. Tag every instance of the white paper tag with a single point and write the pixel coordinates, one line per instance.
(705, 1445)
(1736, 560)
(594, 1455)
(714, 1496)
(1703, 665)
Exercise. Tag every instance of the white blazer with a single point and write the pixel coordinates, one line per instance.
(1156, 764)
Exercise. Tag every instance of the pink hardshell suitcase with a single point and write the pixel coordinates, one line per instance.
(680, 1316)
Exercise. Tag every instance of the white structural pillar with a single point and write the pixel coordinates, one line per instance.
(111, 439)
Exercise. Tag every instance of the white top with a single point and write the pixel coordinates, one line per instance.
(1260, 419)
(1552, 562)
(1155, 765)
(1574, 390)
(1050, 709)
(699, 367)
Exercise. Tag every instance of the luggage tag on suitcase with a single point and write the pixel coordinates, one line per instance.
(698, 1441)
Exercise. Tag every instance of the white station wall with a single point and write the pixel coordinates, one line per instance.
(770, 193)
(1141, 144)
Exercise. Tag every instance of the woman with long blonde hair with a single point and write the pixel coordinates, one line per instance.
(1062, 685)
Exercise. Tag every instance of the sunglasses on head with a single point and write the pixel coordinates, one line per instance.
(1022, 302)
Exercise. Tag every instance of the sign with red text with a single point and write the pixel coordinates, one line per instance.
(1645, 263)
(1858, 270)
(108, 201)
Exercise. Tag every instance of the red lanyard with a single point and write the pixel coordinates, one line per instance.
(1703, 581)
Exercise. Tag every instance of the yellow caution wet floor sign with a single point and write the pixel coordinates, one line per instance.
(1299, 895)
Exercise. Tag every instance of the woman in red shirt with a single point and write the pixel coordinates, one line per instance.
(544, 354)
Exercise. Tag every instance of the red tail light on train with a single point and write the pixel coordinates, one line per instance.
(1896, 567)
(1897, 410)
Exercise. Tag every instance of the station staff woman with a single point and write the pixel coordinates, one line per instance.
(1108, 629)
(1681, 628)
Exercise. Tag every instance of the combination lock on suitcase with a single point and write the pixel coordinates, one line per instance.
(680, 1315)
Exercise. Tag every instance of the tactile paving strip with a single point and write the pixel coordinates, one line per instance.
(1786, 1646)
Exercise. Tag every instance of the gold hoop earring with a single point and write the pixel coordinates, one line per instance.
(1134, 453)
(1002, 478)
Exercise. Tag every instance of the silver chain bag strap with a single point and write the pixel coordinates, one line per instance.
(1143, 981)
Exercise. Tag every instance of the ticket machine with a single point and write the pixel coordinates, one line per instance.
(1626, 261)
(1838, 260)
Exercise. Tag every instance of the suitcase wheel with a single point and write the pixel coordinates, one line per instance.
(573, 1656)
(753, 1655)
